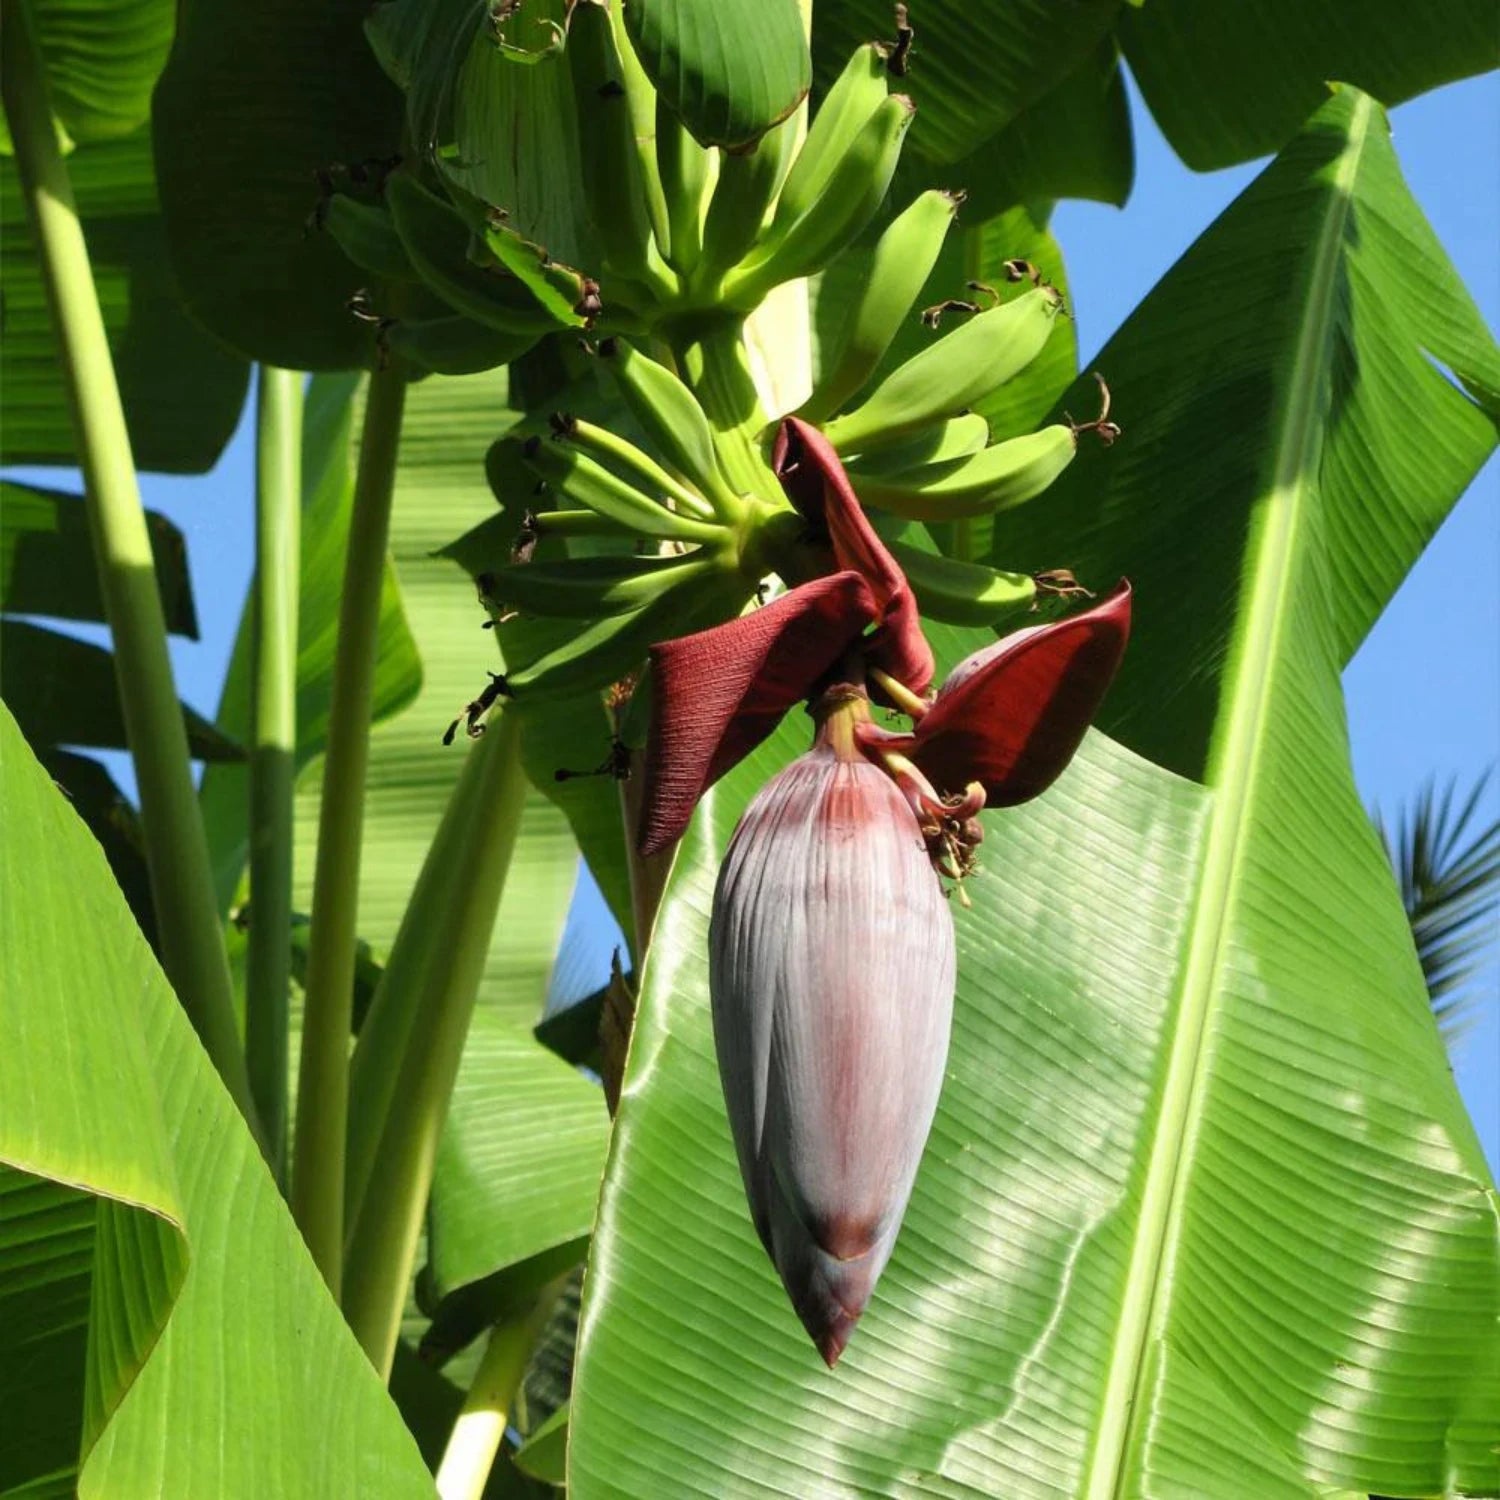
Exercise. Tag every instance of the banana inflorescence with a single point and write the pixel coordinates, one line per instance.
(641, 540)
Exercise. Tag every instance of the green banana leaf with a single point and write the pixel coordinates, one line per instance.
(102, 59)
(1073, 142)
(1202, 1213)
(973, 69)
(47, 568)
(1227, 82)
(328, 458)
(728, 71)
(255, 102)
(182, 390)
(160, 1315)
(62, 692)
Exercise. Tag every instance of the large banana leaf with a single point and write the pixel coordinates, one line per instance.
(102, 58)
(182, 390)
(255, 102)
(1202, 1214)
(1227, 81)
(163, 1328)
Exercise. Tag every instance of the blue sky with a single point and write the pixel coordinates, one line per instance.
(1423, 692)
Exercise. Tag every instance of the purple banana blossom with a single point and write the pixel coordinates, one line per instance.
(831, 946)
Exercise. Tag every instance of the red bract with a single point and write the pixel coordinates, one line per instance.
(1010, 717)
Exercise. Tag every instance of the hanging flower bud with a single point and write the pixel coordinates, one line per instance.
(831, 970)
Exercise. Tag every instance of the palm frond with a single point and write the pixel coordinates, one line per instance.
(1449, 872)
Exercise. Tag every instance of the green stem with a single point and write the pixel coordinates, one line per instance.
(182, 888)
(323, 1082)
(709, 352)
(449, 923)
(480, 1428)
(273, 746)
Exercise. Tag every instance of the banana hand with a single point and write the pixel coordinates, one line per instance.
(904, 257)
(951, 374)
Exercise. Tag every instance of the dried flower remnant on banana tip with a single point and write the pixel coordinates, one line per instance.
(831, 943)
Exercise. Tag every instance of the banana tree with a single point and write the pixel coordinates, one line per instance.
(1073, 1088)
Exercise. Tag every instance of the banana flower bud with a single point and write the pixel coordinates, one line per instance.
(831, 962)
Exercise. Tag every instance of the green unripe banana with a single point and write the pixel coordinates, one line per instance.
(957, 437)
(454, 345)
(671, 418)
(587, 482)
(950, 374)
(613, 175)
(742, 198)
(437, 238)
(589, 587)
(904, 256)
(684, 168)
(643, 470)
(1000, 477)
(569, 296)
(366, 233)
(606, 650)
(961, 593)
(845, 111)
(641, 97)
(853, 193)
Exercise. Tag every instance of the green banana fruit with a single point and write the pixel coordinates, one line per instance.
(606, 650)
(1003, 476)
(641, 97)
(671, 418)
(437, 239)
(644, 470)
(904, 256)
(586, 481)
(851, 197)
(366, 233)
(454, 345)
(961, 593)
(569, 296)
(950, 374)
(589, 587)
(613, 171)
(844, 112)
(957, 437)
(742, 198)
(683, 167)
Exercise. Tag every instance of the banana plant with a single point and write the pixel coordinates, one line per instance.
(990, 1103)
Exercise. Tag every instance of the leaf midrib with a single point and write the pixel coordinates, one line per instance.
(1232, 773)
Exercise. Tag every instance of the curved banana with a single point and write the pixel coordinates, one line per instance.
(589, 587)
(904, 257)
(640, 95)
(850, 198)
(366, 233)
(569, 296)
(608, 649)
(951, 373)
(999, 478)
(587, 482)
(685, 170)
(611, 448)
(671, 418)
(437, 239)
(613, 173)
(843, 113)
(955, 437)
(961, 593)
(454, 345)
(742, 198)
